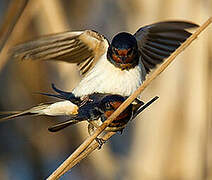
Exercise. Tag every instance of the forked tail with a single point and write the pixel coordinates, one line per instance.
(54, 109)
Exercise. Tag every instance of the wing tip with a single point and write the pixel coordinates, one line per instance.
(184, 23)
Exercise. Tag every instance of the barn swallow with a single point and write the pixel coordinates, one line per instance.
(91, 108)
(95, 109)
(101, 106)
(118, 67)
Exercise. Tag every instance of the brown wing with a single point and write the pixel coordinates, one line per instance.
(157, 41)
(82, 47)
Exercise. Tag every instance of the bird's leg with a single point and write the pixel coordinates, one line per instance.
(100, 141)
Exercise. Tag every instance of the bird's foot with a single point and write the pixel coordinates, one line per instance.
(100, 141)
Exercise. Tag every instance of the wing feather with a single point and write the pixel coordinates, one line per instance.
(157, 41)
(81, 47)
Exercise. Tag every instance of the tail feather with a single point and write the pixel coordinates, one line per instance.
(63, 95)
(143, 106)
(66, 95)
(51, 95)
(63, 125)
(13, 114)
(53, 109)
(9, 112)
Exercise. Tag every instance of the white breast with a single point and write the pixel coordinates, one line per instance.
(106, 78)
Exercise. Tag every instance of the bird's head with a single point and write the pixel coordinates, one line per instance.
(123, 51)
(109, 104)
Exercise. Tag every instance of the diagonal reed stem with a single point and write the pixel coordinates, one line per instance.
(63, 168)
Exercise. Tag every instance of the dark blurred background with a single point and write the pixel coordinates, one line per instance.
(171, 140)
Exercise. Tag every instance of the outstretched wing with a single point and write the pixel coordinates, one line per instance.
(157, 41)
(82, 47)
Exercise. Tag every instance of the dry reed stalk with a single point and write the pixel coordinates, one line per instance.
(23, 21)
(63, 168)
(86, 152)
(11, 17)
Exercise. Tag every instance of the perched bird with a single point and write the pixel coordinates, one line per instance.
(99, 107)
(118, 67)
(95, 108)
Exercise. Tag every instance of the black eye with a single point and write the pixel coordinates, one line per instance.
(107, 105)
